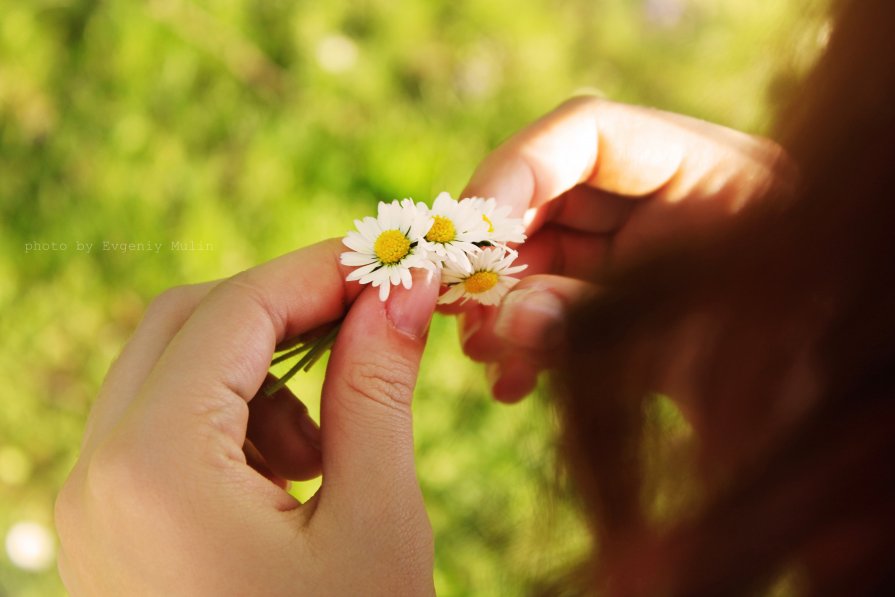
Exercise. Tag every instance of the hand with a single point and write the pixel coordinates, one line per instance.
(601, 183)
(163, 500)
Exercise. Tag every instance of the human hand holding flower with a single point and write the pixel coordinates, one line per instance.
(164, 500)
(463, 243)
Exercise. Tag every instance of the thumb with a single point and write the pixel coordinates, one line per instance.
(366, 423)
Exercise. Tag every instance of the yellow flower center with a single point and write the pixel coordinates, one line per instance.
(480, 282)
(490, 223)
(391, 246)
(442, 231)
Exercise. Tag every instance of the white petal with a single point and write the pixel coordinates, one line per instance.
(502, 211)
(442, 200)
(355, 259)
(369, 228)
(389, 215)
(453, 294)
(406, 215)
(420, 228)
(376, 277)
(451, 269)
(492, 296)
(397, 276)
(406, 278)
(451, 278)
(357, 242)
(361, 273)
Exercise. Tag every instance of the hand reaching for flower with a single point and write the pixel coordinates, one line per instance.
(601, 183)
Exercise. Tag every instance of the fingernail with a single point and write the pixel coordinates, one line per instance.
(410, 311)
(531, 318)
(310, 430)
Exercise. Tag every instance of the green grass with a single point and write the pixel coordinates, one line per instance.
(218, 123)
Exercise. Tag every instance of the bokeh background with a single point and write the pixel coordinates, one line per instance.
(242, 129)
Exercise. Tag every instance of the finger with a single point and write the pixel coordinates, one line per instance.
(562, 251)
(256, 460)
(532, 317)
(513, 377)
(163, 319)
(585, 209)
(199, 390)
(520, 337)
(367, 395)
(552, 249)
(562, 149)
(476, 336)
(285, 435)
(626, 150)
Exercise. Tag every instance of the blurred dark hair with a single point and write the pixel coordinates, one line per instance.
(787, 322)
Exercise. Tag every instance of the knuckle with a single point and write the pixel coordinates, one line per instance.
(172, 302)
(387, 380)
(242, 286)
(111, 474)
(245, 288)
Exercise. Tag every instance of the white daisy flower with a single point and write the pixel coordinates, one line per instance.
(502, 228)
(455, 230)
(490, 278)
(384, 248)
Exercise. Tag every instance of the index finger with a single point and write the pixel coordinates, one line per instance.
(627, 150)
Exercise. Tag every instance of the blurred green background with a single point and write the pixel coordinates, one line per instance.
(248, 128)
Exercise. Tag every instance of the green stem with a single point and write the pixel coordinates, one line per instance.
(292, 353)
(315, 350)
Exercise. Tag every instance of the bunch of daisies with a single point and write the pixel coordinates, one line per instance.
(465, 240)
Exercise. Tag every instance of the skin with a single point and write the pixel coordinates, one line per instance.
(164, 500)
(599, 183)
(172, 494)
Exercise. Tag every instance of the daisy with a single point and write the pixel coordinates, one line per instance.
(455, 230)
(502, 229)
(490, 278)
(384, 248)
